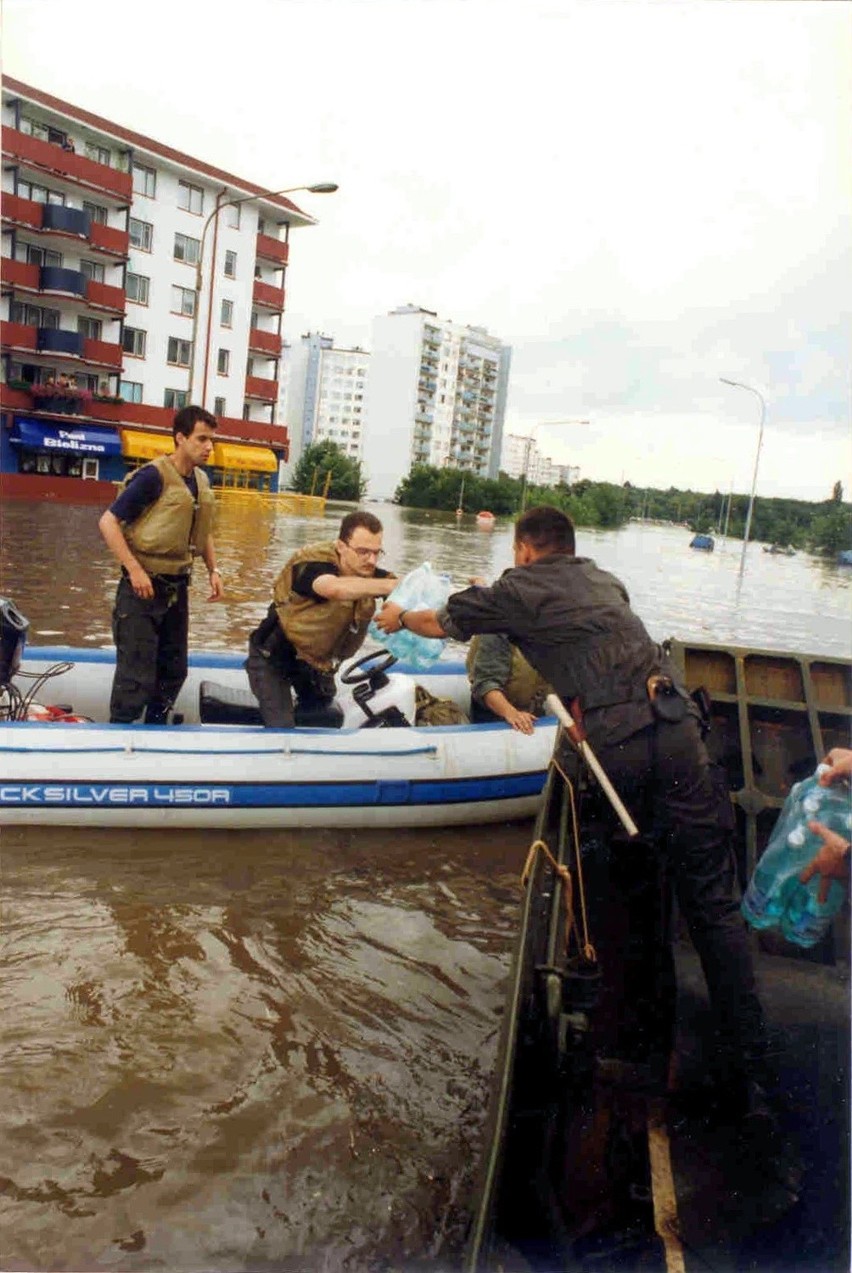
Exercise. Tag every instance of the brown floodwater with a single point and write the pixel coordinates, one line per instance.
(254, 1050)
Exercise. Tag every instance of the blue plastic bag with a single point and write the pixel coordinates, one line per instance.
(421, 589)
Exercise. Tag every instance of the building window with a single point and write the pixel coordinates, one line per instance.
(99, 154)
(39, 194)
(190, 198)
(90, 328)
(33, 315)
(223, 365)
(137, 287)
(187, 249)
(179, 351)
(218, 406)
(232, 216)
(144, 180)
(183, 301)
(227, 313)
(42, 256)
(230, 264)
(174, 399)
(96, 211)
(134, 341)
(141, 234)
(93, 270)
(130, 390)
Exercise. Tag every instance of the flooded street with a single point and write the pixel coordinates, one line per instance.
(244, 1050)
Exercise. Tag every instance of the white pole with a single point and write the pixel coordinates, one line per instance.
(556, 707)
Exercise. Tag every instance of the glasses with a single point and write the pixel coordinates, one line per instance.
(364, 553)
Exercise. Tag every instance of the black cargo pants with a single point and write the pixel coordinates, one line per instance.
(151, 638)
(663, 775)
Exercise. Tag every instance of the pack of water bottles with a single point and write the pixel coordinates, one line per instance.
(421, 589)
(775, 897)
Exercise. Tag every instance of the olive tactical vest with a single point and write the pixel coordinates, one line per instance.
(174, 529)
(323, 633)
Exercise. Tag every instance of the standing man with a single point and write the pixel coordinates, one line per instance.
(161, 520)
(322, 603)
(573, 623)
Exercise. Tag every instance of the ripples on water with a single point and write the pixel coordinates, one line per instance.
(249, 1051)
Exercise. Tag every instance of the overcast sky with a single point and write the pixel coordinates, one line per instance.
(638, 197)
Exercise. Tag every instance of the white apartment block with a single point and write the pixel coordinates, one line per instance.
(436, 395)
(104, 230)
(522, 455)
(326, 390)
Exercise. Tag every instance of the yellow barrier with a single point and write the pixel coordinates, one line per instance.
(286, 501)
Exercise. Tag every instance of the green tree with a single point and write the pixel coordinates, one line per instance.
(309, 475)
(837, 493)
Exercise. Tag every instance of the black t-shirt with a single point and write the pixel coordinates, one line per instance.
(144, 489)
(306, 572)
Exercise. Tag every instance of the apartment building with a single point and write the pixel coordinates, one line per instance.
(521, 455)
(145, 277)
(325, 395)
(436, 395)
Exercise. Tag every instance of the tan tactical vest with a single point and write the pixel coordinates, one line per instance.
(172, 531)
(323, 633)
(525, 689)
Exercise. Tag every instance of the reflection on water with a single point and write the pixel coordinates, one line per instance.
(247, 1051)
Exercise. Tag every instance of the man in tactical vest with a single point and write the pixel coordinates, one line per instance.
(323, 601)
(574, 625)
(503, 686)
(161, 520)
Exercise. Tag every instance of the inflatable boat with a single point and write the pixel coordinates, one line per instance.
(361, 762)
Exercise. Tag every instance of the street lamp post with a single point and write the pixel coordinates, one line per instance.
(737, 384)
(527, 449)
(321, 187)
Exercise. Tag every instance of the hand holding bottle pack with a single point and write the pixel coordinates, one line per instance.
(775, 897)
(421, 589)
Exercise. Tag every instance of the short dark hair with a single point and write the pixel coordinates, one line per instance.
(352, 521)
(548, 529)
(188, 417)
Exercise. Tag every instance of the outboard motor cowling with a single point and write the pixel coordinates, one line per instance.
(13, 637)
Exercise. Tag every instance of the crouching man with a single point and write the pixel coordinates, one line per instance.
(322, 604)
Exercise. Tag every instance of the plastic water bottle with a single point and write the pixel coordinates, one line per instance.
(421, 589)
(775, 897)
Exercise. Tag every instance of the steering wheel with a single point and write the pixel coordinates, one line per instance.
(357, 672)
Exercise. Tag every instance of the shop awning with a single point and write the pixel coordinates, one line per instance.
(70, 439)
(137, 445)
(234, 455)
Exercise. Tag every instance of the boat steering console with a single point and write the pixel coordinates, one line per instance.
(367, 676)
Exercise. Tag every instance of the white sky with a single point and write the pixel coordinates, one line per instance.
(637, 196)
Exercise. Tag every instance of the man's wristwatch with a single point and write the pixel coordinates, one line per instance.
(400, 618)
(215, 571)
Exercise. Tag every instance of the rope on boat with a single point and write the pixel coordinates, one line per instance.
(211, 751)
(564, 874)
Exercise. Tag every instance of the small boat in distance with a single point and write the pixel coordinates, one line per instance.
(485, 519)
(460, 509)
(705, 543)
(779, 550)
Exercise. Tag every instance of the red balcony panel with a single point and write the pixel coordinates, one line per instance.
(104, 296)
(272, 249)
(105, 238)
(15, 399)
(22, 211)
(101, 351)
(258, 387)
(17, 336)
(47, 157)
(20, 274)
(272, 435)
(268, 296)
(264, 342)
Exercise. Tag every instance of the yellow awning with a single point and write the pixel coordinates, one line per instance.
(233, 455)
(145, 446)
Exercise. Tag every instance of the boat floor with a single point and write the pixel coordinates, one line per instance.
(658, 1178)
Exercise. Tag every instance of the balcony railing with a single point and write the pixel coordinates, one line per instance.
(107, 239)
(102, 352)
(20, 211)
(53, 278)
(45, 156)
(105, 296)
(21, 275)
(264, 390)
(32, 278)
(272, 249)
(55, 218)
(264, 342)
(267, 296)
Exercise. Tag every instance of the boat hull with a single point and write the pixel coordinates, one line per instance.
(200, 775)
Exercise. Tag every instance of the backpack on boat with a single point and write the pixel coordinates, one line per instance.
(429, 710)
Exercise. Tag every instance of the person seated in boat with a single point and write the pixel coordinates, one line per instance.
(573, 623)
(160, 521)
(503, 686)
(322, 604)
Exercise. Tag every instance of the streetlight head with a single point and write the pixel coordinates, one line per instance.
(726, 381)
(323, 187)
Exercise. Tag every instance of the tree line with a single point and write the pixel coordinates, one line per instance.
(822, 527)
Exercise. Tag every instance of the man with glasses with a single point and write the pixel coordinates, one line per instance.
(322, 603)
